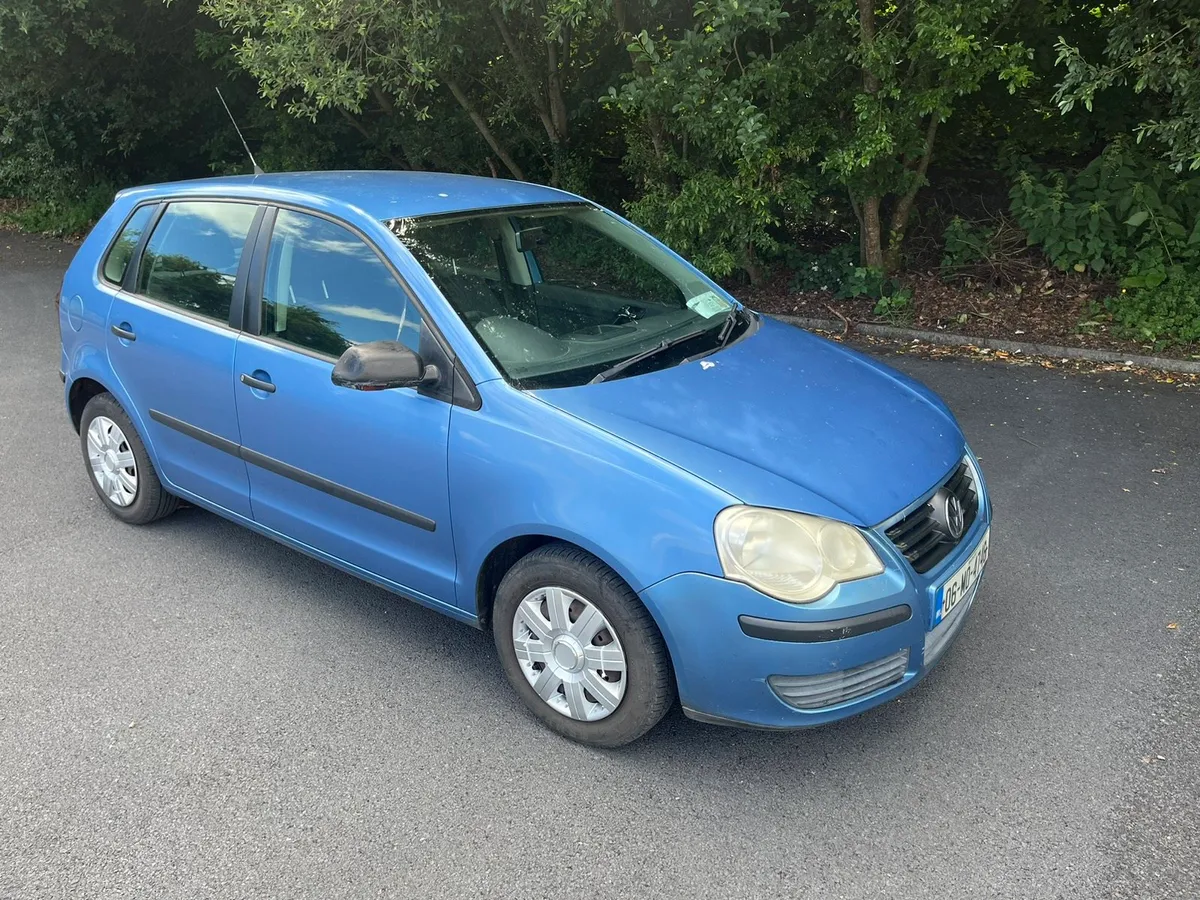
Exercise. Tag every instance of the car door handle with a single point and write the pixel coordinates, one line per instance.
(258, 384)
(124, 331)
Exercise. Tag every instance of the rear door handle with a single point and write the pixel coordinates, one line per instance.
(124, 331)
(258, 384)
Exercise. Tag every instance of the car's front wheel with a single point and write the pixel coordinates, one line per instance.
(580, 649)
(119, 466)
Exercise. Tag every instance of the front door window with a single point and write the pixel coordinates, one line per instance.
(326, 289)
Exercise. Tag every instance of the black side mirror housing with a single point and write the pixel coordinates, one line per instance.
(380, 366)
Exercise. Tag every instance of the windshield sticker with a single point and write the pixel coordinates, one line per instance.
(708, 305)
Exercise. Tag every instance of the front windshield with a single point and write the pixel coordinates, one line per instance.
(558, 295)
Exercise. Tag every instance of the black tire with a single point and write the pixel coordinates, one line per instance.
(151, 500)
(650, 683)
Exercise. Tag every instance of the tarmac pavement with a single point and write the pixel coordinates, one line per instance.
(191, 710)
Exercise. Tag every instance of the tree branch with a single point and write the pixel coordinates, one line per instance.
(384, 101)
(534, 84)
(485, 132)
(903, 210)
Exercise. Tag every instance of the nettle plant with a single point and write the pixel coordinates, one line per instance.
(1123, 214)
(1127, 216)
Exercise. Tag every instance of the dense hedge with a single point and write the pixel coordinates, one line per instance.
(749, 133)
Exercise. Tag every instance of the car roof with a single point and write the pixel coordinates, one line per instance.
(379, 194)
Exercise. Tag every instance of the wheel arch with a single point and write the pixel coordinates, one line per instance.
(79, 393)
(505, 554)
(86, 383)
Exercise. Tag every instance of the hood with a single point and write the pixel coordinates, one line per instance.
(786, 419)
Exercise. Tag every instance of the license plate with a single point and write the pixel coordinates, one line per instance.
(959, 585)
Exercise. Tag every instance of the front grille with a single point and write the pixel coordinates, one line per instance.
(820, 691)
(921, 537)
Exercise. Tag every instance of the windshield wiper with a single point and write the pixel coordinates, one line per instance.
(665, 344)
(726, 332)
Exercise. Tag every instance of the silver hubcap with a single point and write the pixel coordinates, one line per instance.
(569, 653)
(112, 461)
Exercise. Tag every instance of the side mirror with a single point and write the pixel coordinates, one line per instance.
(381, 365)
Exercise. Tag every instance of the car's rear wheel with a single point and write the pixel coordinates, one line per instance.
(119, 466)
(580, 649)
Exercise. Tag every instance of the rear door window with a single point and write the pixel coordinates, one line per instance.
(126, 243)
(192, 257)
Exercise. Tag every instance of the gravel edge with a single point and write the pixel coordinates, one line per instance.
(1162, 363)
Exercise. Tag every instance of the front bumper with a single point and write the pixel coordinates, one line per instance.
(738, 653)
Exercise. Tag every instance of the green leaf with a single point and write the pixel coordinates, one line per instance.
(1137, 218)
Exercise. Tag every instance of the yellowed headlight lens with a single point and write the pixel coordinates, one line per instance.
(791, 556)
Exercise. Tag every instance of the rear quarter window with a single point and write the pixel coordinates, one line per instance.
(121, 252)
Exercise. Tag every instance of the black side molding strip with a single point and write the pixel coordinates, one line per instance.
(308, 479)
(205, 437)
(830, 630)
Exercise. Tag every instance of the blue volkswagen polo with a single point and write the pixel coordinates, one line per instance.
(508, 404)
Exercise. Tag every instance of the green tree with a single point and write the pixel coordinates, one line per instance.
(1155, 48)
(81, 91)
(914, 63)
(768, 108)
(519, 72)
(715, 144)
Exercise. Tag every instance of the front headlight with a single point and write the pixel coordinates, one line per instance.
(791, 556)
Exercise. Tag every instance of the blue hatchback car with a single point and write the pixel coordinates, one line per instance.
(511, 405)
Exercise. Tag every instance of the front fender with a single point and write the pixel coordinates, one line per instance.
(519, 467)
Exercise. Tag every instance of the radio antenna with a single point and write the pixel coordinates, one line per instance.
(257, 170)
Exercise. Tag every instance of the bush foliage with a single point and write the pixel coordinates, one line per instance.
(748, 133)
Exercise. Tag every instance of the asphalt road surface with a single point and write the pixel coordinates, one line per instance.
(190, 710)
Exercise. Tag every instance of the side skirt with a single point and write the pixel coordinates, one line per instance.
(447, 609)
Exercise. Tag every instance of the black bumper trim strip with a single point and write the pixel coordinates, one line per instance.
(829, 630)
(308, 479)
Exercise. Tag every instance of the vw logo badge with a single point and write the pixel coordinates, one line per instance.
(954, 517)
(948, 515)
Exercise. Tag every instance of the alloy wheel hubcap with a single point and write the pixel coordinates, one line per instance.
(569, 653)
(112, 461)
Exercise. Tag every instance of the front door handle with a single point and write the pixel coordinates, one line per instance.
(124, 331)
(258, 384)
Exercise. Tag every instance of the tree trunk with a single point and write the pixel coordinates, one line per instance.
(622, 17)
(485, 132)
(753, 269)
(872, 243)
(904, 205)
(866, 26)
(554, 87)
(862, 230)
